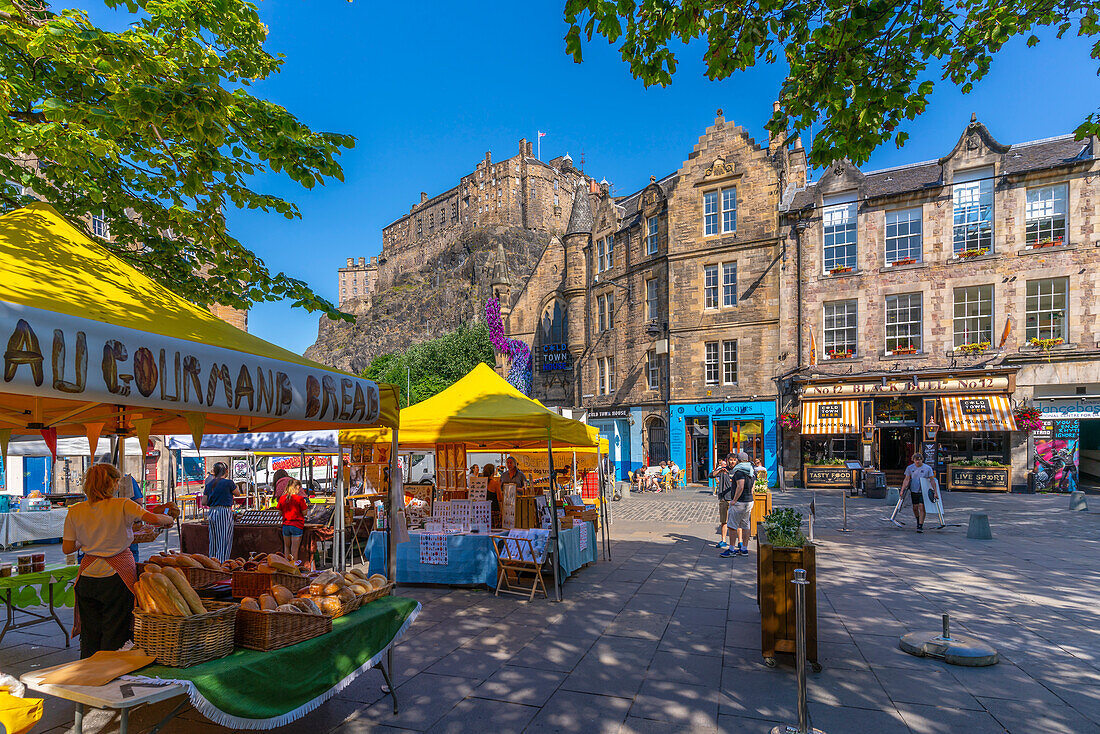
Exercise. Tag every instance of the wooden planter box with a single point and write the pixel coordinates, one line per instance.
(819, 476)
(775, 594)
(979, 478)
(761, 506)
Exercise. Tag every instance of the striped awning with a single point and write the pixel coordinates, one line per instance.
(977, 413)
(830, 416)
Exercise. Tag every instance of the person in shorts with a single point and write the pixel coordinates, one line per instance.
(293, 506)
(722, 491)
(913, 474)
(742, 478)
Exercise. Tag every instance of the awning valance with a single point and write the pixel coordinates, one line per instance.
(977, 413)
(830, 416)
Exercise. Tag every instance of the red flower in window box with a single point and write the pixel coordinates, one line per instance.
(1048, 242)
(905, 350)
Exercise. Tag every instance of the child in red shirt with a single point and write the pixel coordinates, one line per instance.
(293, 506)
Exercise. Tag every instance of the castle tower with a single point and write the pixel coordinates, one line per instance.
(578, 236)
(500, 283)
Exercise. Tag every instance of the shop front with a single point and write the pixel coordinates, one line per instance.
(614, 424)
(1065, 454)
(960, 424)
(701, 433)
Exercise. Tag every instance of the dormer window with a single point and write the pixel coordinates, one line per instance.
(972, 196)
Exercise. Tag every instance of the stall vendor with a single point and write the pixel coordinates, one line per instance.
(513, 475)
(102, 527)
(218, 496)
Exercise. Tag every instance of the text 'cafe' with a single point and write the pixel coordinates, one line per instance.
(955, 420)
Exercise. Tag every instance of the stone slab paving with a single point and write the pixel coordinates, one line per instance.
(665, 636)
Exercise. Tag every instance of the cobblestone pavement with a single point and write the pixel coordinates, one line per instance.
(665, 636)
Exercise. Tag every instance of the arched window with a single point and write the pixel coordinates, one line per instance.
(658, 440)
(554, 324)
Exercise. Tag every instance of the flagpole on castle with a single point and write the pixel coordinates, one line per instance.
(538, 144)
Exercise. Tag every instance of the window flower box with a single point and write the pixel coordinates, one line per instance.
(973, 348)
(838, 271)
(1048, 242)
(840, 355)
(975, 252)
(904, 350)
(1045, 345)
(903, 261)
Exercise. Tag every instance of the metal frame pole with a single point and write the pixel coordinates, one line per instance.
(391, 510)
(605, 511)
(340, 524)
(804, 724)
(555, 526)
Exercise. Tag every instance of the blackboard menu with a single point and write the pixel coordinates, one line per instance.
(828, 476)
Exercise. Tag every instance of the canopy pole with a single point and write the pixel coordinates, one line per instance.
(338, 562)
(554, 524)
(391, 511)
(601, 479)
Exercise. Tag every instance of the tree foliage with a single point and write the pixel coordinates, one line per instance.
(434, 365)
(154, 129)
(857, 68)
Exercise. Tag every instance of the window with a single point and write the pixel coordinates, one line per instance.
(606, 366)
(601, 310)
(554, 324)
(729, 284)
(651, 237)
(903, 235)
(729, 210)
(420, 226)
(710, 286)
(431, 222)
(99, 226)
(710, 363)
(610, 375)
(600, 252)
(840, 236)
(653, 370)
(610, 251)
(973, 210)
(601, 386)
(1046, 309)
(973, 315)
(903, 323)
(651, 312)
(610, 298)
(840, 329)
(1046, 214)
(729, 362)
(605, 307)
(710, 213)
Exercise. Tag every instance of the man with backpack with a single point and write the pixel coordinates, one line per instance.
(742, 479)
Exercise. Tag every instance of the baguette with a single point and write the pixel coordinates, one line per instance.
(184, 588)
(184, 561)
(207, 561)
(164, 559)
(144, 601)
(164, 595)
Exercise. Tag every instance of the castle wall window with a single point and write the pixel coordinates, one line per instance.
(652, 312)
(841, 330)
(419, 227)
(1046, 214)
(729, 362)
(839, 222)
(1046, 309)
(903, 323)
(651, 236)
(972, 196)
(903, 235)
(653, 370)
(710, 363)
(556, 200)
(729, 284)
(973, 314)
(710, 286)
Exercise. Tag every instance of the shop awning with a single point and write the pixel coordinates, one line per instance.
(830, 416)
(977, 413)
(94, 344)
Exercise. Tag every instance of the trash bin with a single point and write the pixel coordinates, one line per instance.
(874, 483)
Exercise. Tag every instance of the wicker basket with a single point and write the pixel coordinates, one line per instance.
(199, 578)
(376, 594)
(147, 534)
(348, 607)
(180, 642)
(255, 583)
(272, 630)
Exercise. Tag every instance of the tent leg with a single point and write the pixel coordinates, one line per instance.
(338, 558)
(601, 478)
(554, 524)
(391, 511)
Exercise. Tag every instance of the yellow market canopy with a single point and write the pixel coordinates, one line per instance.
(484, 412)
(92, 342)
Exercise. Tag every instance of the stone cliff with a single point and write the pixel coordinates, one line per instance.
(448, 289)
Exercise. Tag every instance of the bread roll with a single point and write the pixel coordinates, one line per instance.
(288, 608)
(251, 604)
(329, 605)
(345, 595)
(352, 578)
(379, 577)
(360, 572)
(184, 588)
(281, 594)
(359, 589)
(378, 583)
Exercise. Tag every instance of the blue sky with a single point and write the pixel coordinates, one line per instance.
(427, 88)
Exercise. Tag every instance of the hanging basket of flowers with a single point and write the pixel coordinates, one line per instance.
(1028, 419)
(790, 421)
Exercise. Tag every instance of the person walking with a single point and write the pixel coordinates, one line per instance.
(218, 496)
(722, 487)
(914, 473)
(293, 506)
(743, 478)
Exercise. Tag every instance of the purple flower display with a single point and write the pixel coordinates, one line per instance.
(519, 374)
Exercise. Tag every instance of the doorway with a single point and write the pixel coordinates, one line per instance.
(896, 448)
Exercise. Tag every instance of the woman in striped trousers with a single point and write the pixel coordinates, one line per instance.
(218, 496)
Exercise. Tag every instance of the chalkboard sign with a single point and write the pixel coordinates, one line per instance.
(975, 406)
(987, 478)
(827, 476)
(828, 410)
(929, 449)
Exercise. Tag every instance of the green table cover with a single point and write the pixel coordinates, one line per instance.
(30, 589)
(251, 689)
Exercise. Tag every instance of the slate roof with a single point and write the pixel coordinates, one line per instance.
(630, 204)
(1031, 156)
(580, 218)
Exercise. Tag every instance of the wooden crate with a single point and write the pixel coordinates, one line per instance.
(761, 506)
(775, 569)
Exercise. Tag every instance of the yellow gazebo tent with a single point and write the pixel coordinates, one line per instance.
(484, 412)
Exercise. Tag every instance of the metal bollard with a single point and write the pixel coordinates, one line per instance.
(804, 725)
(845, 510)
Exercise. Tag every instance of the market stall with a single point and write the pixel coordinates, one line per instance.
(162, 365)
(480, 413)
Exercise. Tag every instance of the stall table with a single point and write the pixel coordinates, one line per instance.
(48, 588)
(195, 538)
(251, 689)
(24, 527)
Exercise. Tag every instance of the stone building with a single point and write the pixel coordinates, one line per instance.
(924, 303)
(356, 279)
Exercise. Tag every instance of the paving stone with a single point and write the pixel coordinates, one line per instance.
(479, 714)
(698, 639)
(936, 720)
(699, 670)
(569, 712)
(530, 686)
(1025, 718)
(682, 704)
(423, 700)
(930, 687)
(470, 663)
(640, 624)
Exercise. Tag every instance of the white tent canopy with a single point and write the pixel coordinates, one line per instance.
(289, 441)
(71, 446)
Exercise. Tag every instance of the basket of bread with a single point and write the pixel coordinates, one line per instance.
(172, 624)
(262, 571)
(278, 619)
(199, 570)
(337, 594)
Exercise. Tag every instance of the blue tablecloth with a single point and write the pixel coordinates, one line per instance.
(470, 558)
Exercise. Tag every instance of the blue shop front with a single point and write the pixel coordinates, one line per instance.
(701, 432)
(614, 425)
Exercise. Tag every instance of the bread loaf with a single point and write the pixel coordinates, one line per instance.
(360, 572)
(267, 602)
(281, 564)
(185, 561)
(359, 589)
(377, 577)
(281, 594)
(329, 605)
(184, 588)
(345, 595)
(307, 606)
(288, 608)
(251, 604)
(207, 561)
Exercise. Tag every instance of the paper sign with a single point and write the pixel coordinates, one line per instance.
(433, 526)
(542, 509)
(479, 489)
(508, 506)
(481, 512)
(433, 549)
(584, 536)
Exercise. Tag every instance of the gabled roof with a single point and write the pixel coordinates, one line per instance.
(630, 203)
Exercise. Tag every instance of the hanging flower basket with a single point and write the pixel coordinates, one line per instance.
(1028, 419)
(790, 421)
(973, 348)
(975, 252)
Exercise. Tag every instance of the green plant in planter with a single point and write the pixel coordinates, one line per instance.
(830, 462)
(784, 528)
(979, 463)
